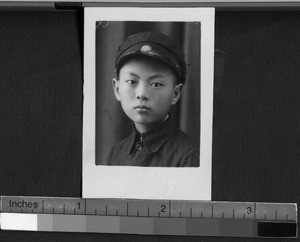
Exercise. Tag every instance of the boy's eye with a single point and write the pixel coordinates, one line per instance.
(156, 84)
(131, 82)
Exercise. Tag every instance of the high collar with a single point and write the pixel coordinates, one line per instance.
(153, 139)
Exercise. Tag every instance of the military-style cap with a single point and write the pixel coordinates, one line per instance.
(156, 45)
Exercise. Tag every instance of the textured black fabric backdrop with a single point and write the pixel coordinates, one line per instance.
(256, 111)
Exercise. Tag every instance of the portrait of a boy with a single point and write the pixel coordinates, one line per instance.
(150, 76)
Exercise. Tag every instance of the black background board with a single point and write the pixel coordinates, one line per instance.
(256, 111)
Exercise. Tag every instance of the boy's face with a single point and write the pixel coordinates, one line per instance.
(146, 89)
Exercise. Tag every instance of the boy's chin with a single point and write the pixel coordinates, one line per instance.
(147, 124)
(147, 120)
(143, 123)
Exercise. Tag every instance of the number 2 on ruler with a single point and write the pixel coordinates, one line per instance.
(163, 208)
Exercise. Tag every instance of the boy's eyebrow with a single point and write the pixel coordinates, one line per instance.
(154, 76)
(158, 75)
(132, 74)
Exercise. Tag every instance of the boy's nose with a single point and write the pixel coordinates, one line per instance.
(141, 93)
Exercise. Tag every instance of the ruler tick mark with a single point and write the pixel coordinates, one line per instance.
(138, 213)
(286, 216)
(201, 214)
(106, 210)
(180, 214)
(148, 211)
(276, 215)
(212, 210)
(233, 213)
(95, 211)
(117, 212)
(265, 216)
(127, 207)
(244, 215)
(222, 215)
(191, 212)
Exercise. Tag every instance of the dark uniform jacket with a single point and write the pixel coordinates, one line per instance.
(166, 146)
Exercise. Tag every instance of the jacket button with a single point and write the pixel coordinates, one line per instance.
(139, 146)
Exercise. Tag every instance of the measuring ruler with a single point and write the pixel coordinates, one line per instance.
(194, 218)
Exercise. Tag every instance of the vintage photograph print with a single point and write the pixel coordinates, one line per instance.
(147, 113)
(148, 93)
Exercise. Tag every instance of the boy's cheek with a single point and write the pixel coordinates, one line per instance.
(128, 93)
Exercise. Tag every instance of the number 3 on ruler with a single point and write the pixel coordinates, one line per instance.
(249, 210)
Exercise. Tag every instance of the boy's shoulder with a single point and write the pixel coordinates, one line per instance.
(124, 146)
(182, 139)
(186, 150)
(175, 150)
(177, 138)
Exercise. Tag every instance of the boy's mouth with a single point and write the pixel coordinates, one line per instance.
(142, 107)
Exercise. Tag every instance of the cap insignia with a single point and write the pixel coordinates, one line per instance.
(146, 48)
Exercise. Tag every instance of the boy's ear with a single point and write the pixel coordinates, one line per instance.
(177, 93)
(115, 84)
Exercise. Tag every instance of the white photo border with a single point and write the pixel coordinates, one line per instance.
(148, 182)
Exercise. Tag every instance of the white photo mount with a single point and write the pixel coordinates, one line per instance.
(148, 182)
